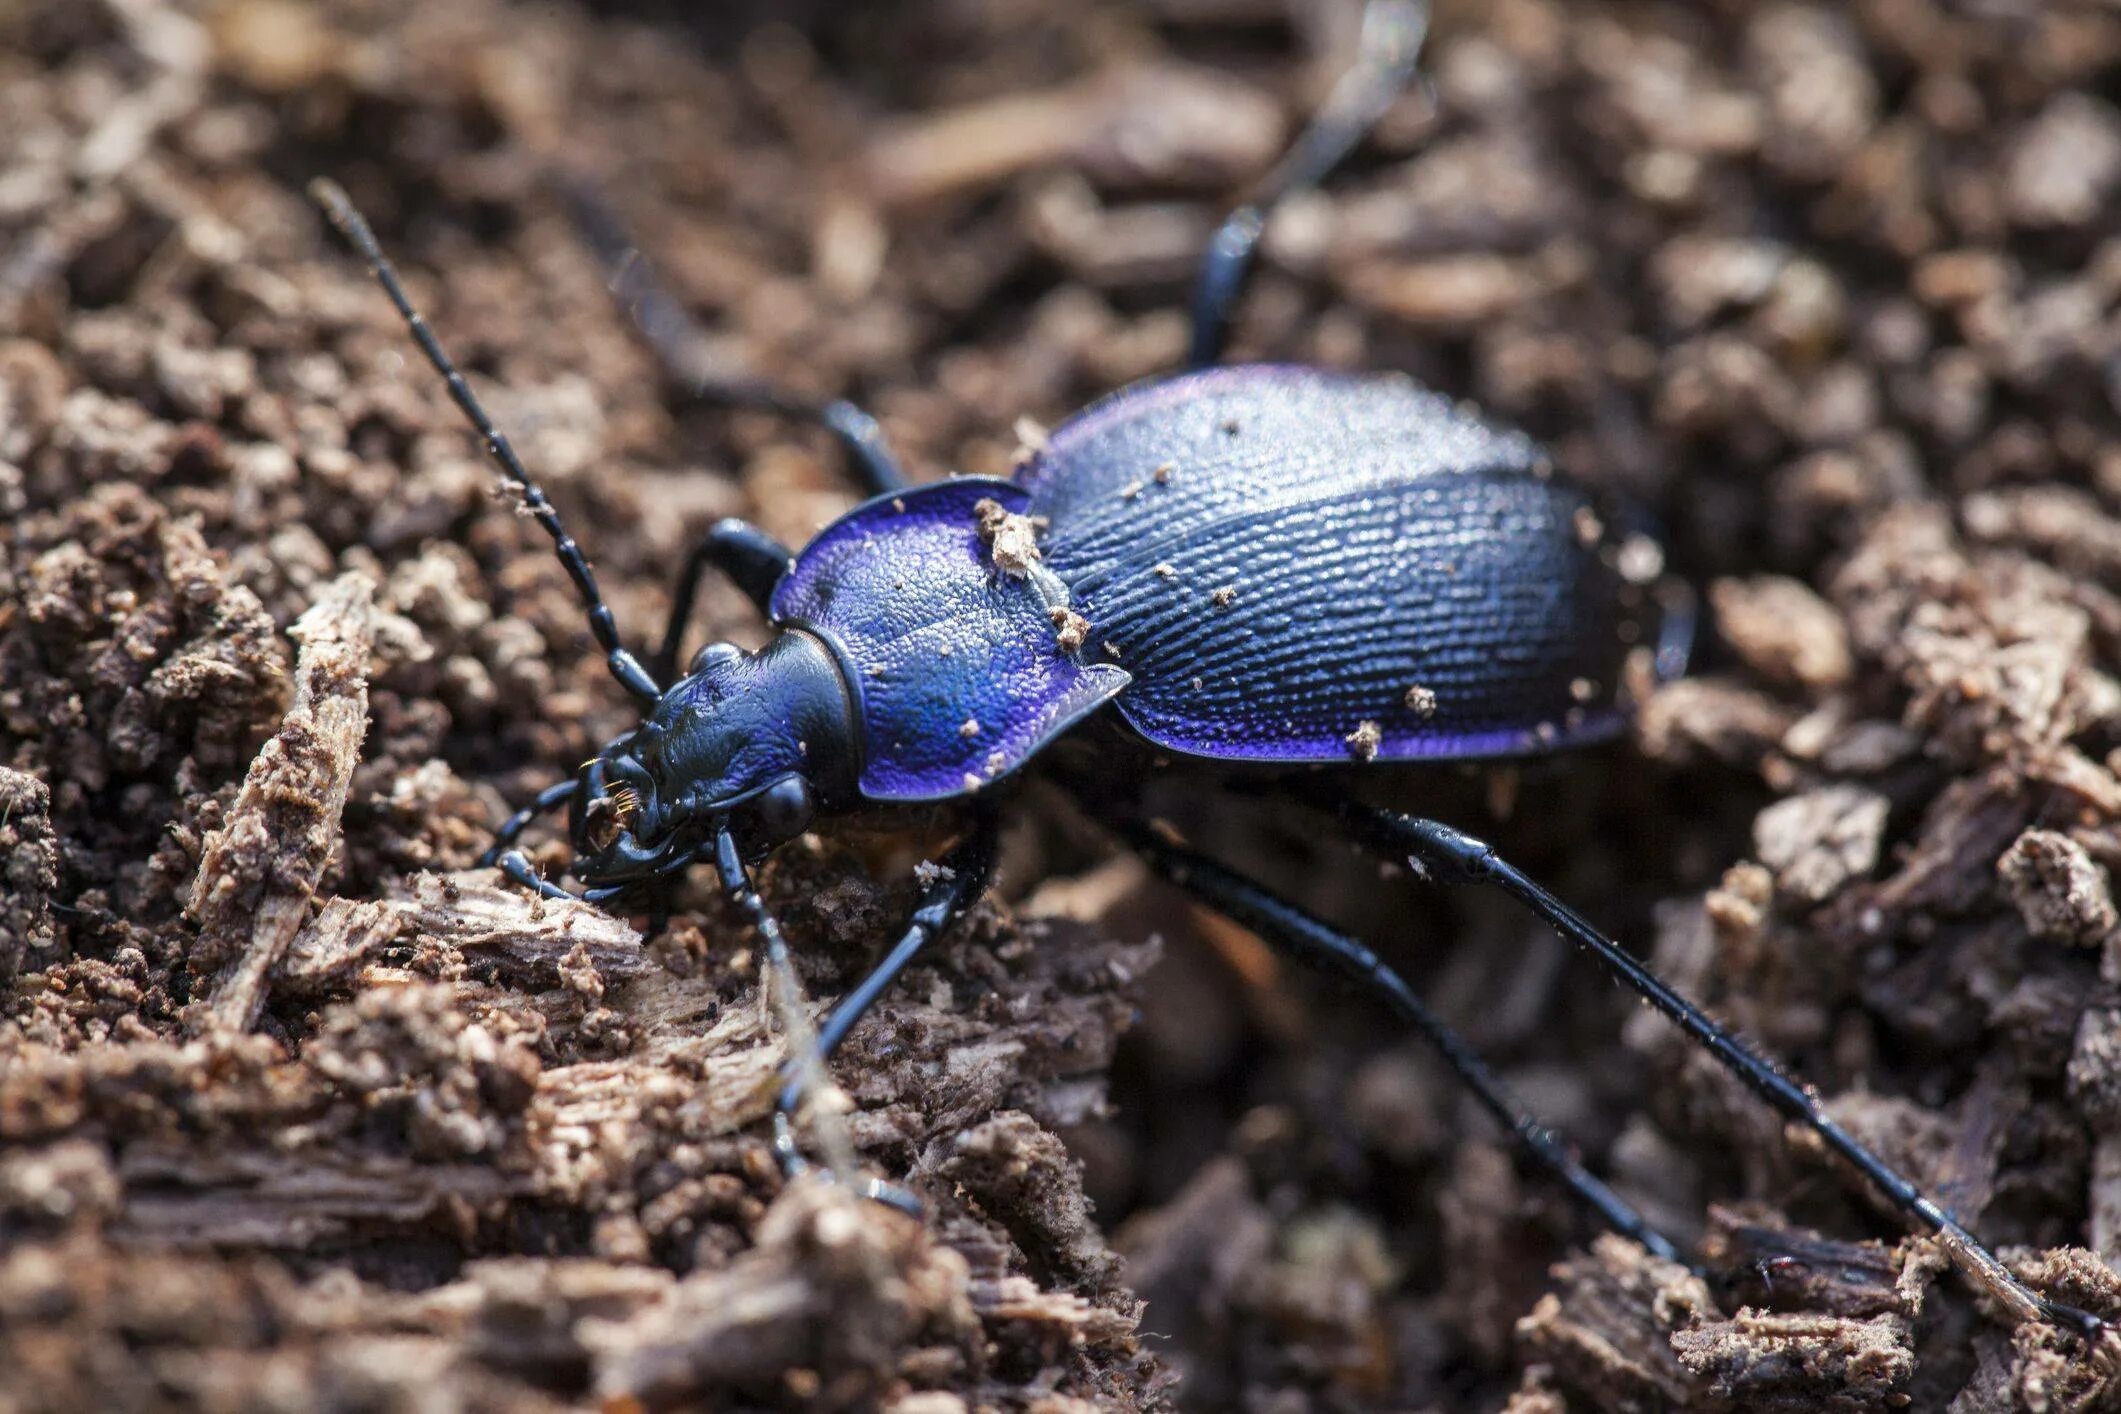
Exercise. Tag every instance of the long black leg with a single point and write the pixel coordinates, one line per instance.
(1392, 34)
(1316, 943)
(802, 1040)
(685, 349)
(750, 558)
(550, 798)
(957, 886)
(503, 854)
(1455, 857)
(624, 666)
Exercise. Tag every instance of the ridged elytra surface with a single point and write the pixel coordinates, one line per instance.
(1279, 556)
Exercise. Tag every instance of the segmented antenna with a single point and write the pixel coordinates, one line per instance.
(339, 208)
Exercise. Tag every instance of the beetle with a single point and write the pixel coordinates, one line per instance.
(1242, 563)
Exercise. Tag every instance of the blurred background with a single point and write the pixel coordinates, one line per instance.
(1832, 288)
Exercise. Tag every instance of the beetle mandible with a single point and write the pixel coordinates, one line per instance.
(1262, 563)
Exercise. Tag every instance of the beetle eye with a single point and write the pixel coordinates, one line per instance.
(713, 655)
(783, 810)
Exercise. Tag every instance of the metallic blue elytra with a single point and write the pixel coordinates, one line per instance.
(1305, 566)
(1262, 563)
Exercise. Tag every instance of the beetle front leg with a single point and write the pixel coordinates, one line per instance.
(959, 884)
(1310, 940)
(502, 853)
(1453, 856)
(962, 882)
(747, 556)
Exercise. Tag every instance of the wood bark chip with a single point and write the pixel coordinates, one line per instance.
(259, 874)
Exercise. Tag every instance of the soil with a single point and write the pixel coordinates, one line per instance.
(299, 1109)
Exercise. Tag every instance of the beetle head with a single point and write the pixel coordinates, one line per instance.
(755, 743)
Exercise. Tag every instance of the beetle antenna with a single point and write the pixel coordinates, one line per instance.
(339, 209)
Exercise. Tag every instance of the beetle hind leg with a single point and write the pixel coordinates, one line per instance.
(1451, 856)
(1306, 938)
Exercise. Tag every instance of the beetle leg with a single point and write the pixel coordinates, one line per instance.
(1314, 942)
(958, 885)
(802, 1039)
(502, 853)
(1392, 34)
(687, 352)
(750, 558)
(550, 798)
(517, 866)
(1455, 857)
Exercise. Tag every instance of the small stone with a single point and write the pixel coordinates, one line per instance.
(1224, 596)
(1364, 741)
(1784, 631)
(970, 729)
(1421, 701)
(2066, 164)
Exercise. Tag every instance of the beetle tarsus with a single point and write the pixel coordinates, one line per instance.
(517, 866)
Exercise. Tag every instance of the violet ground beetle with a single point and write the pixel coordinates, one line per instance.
(1298, 568)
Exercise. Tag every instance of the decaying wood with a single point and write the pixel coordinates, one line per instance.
(258, 877)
